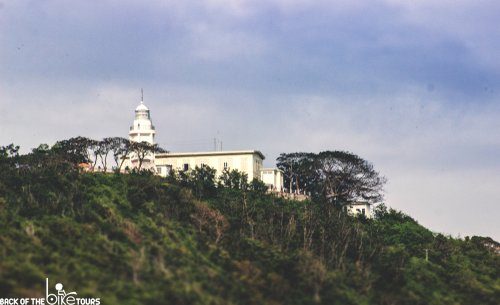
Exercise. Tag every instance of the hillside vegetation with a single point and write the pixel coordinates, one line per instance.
(140, 239)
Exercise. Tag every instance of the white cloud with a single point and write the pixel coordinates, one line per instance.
(217, 44)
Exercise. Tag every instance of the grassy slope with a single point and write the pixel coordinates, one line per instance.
(137, 239)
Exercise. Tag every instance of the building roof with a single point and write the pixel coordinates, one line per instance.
(210, 153)
(142, 107)
(271, 169)
(352, 203)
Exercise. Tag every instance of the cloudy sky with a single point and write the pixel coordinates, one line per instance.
(412, 86)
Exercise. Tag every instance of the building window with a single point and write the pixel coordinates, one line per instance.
(158, 169)
(186, 167)
(168, 169)
(363, 211)
(225, 165)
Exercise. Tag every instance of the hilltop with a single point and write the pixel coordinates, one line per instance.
(141, 239)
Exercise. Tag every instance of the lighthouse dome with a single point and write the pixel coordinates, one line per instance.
(142, 107)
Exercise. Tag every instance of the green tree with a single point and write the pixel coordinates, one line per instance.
(337, 177)
(120, 148)
(234, 179)
(202, 181)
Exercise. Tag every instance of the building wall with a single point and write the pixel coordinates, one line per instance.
(360, 208)
(273, 178)
(249, 162)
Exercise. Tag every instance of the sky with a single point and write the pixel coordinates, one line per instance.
(411, 86)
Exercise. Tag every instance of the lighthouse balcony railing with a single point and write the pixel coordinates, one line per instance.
(152, 127)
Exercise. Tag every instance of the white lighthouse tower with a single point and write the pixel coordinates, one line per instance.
(142, 130)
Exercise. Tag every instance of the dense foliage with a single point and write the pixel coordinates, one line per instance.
(140, 239)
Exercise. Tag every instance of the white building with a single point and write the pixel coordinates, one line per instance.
(273, 178)
(360, 208)
(142, 130)
(247, 161)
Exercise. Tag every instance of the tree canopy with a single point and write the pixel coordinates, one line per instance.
(335, 176)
